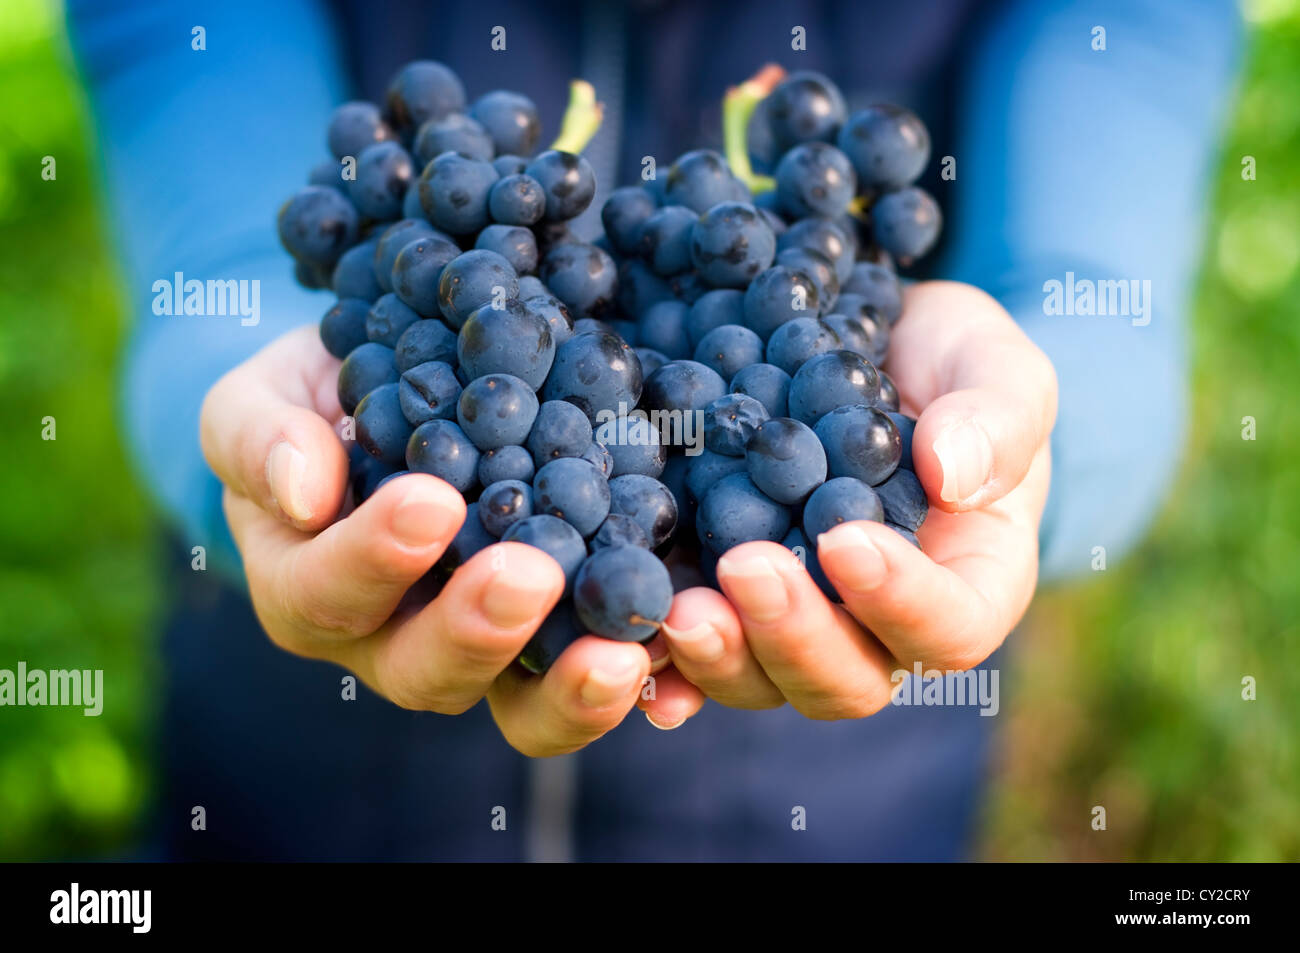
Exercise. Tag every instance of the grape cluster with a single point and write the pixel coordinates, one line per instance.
(555, 382)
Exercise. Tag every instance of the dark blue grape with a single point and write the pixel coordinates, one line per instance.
(646, 501)
(803, 107)
(496, 410)
(328, 174)
(343, 328)
(384, 171)
(454, 192)
(550, 309)
(568, 181)
(511, 119)
(712, 310)
(817, 267)
(423, 341)
(554, 537)
(392, 240)
(517, 200)
(730, 244)
(639, 287)
(634, 444)
(619, 530)
(573, 490)
(798, 340)
(598, 456)
(512, 462)
(822, 235)
(728, 349)
(317, 225)
(354, 126)
(513, 243)
(767, 384)
(382, 428)
(662, 326)
(860, 442)
(906, 427)
(623, 214)
(429, 391)
(699, 180)
(651, 360)
(595, 371)
(416, 271)
(365, 473)
(904, 500)
(387, 319)
(509, 340)
(665, 239)
(840, 500)
(785, 460)
(906, 223)
(504, 503)
(683, 386)
(623, 593)
(730, 422)
(354, 275)
(509, 165)
(474, 279)
(832, 380)
(735, 511)
(422, 90)
(777, 295)
(879, 288)
(530, 286)
(441, 448)
(584, 277)
(560, 430)
(888, 146)
(706, 469)
(815, 178)
(866, 334)
(362, 371)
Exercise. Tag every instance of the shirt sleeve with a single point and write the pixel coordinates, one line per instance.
(1077, 163)
(201, 136)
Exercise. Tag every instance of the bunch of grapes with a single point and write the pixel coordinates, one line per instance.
(706, 373)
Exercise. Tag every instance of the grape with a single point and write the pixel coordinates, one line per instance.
(517, 200)
(730, 422)
(353, 127)
(454, 133)
(454, 192)
(496, 410)
(511, 119)
(429, 391)
(442, 448)
(343, 328)
(573, 490)
(318, 225)
(888, 145)
(595, 371)
(831, 380)
(364, 369)
(568, 182)
(511, 462)
(423, 90)
(647, 502)
(504, 503)
(785, 460)
(860, 442)
(384, 171)
(730, 244)
(735, 511)
(906, 223)
(623, 593)
(841, 500)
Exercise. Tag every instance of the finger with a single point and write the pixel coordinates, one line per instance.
(445, 656)
(668, 699)
(346, 581)
(820, 659)
(708, 647)
(989, 394)
(590, 689)
(948, 612)
(265, 432)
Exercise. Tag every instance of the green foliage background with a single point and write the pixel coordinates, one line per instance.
(1127, 692)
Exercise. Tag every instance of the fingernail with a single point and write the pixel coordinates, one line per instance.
(861, 567)
(512, 597)
(422, 518)
(286, 473)
(604, 687)
(966, 459)
(659, 654)
(676, 724)
(756, 587)
(701, 643)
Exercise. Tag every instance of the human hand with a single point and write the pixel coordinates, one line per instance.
(986, 398)
(331, 586)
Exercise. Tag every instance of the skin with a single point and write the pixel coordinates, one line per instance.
(336, 585)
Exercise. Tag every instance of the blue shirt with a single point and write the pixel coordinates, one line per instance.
(1069, 160)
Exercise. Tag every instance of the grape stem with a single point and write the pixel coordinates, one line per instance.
(582, 117)
(737, 106)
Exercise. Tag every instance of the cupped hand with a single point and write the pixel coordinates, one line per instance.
(986, 399)
(334, 587)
